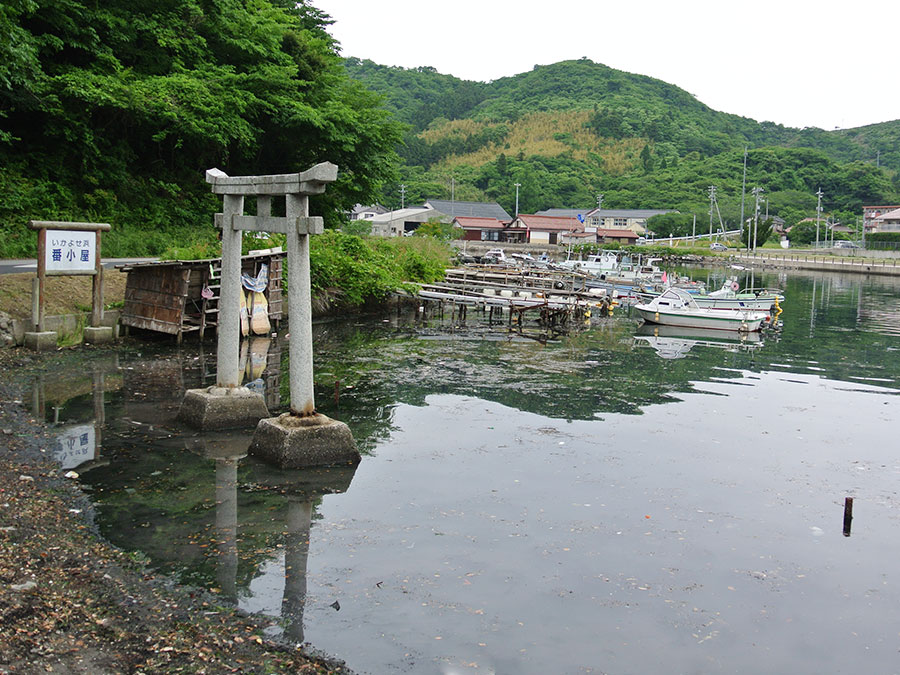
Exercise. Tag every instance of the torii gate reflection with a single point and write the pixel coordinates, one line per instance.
(300, 488)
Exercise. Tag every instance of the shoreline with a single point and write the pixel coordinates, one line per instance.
(72, 602)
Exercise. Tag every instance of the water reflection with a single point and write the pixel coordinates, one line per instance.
(226, 451)
(294, 495)
(673, 342)
(507, 460)
(78, 445)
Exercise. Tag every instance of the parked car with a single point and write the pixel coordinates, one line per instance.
(716, 246)
(846, 243)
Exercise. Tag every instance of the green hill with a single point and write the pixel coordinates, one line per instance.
(568, 131)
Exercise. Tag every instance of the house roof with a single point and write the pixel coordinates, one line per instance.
(563, 213)
(375, 208)
(639, 214)
(401, 214)
(468, 223)
(471, 209)
(890, 215)
(621, 234)
(549, 223)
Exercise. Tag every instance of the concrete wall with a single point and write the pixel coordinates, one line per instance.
(67, 323)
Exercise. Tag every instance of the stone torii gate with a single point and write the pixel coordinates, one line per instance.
(301, 437)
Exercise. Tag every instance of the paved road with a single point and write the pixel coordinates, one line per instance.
(30, 265)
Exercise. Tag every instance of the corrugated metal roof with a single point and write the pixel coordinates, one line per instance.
(400, 214)
(628, 213)
(471, 209)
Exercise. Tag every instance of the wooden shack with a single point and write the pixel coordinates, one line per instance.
(168, 297)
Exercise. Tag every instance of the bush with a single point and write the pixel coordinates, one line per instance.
(353, 271)
(876, 237)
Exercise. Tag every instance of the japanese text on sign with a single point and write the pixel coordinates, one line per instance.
(70, 251)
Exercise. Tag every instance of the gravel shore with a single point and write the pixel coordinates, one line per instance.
(72, 603)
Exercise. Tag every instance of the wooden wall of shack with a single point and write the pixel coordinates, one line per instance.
(167, 297)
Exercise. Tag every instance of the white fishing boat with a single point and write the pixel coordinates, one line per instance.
(730, 296)
(675, 307)
(636, 273)
(603, 262)
(495, 256)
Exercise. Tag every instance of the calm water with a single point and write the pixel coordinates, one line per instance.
(619, 501)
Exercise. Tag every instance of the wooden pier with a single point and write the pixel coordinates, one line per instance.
(554, 302)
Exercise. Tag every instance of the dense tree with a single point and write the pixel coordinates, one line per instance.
(671, 224)
(114, 110)
(438, 230)
(804, 233)
(755, 233)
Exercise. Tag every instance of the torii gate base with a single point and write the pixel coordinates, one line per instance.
(222, 408)
(294, 442)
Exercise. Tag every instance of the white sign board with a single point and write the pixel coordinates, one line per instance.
(70, 252)
(75, 445)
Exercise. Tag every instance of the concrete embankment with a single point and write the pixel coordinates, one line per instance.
(887, 264)
(12, 331)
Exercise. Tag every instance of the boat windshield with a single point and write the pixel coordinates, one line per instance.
(673, 293)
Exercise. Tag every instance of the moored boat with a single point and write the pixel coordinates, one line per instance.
(732, 297)
(607, 261)
(676, 307)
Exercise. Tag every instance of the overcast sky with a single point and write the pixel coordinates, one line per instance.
(824, 64)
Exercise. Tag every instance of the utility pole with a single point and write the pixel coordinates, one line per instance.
(599, 200)
(743, 192)
(819, 194)
(402, 195)
(517, 198)
(712, 200)
(756, 192)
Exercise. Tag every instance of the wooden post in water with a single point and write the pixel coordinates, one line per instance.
(848, 515)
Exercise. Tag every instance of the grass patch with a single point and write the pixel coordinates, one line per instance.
(62, 295)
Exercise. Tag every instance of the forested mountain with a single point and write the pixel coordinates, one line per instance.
(569, 131)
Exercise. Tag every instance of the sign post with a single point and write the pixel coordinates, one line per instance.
(67, 249)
